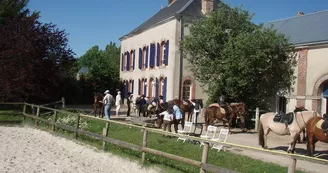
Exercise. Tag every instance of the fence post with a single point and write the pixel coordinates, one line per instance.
(292, 165)
(24, 110)
(144, 144)
(37, 115)
(105, 133)
(54, 121)
(77, 125)
(257, 118)
(63, 102)
(204, 156)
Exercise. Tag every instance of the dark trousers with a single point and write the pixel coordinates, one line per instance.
(176, 123)
(129, 108)
(167, 125)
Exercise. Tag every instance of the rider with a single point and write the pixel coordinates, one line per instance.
(154, 104)
(222, 102)
(161, 99)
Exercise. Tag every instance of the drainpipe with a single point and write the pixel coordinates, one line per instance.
(181, 59)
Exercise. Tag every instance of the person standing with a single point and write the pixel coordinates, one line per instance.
(129, 101)
(197, 109)
(168, 118)
(118, 103)
(177, 117)
(108, 100)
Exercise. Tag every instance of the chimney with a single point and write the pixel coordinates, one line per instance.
(207, 6)
(300, 13)
(170, 1)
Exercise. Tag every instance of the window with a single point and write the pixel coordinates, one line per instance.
(144, 57)
(160, 86)
(130, 86)
(131, 59)
(141, 86)
(186, 90)
(151, 89)
(162, 53)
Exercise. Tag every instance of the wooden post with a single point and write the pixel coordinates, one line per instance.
(105, 133)
(54, 121)
(37, 115)
(292, 165)
(144, 144)
(24, 111)
(257, 118)
(63, 102)
(77, 125)
(204, 155)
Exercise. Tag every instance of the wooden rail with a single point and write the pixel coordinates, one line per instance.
(144, 149)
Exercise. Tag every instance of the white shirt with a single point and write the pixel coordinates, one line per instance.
(118, 100)
(167, 116)
(194, 105)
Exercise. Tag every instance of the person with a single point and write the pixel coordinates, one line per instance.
(168, 118)
(197, 108)
(129, 101)
(177, 117)
(118, 103)
(222, 102)
(153, 106)
(107, 100)
(142, 103)
(161, 99)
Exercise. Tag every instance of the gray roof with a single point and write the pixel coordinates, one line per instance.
(83, 70)
(304, 30)
(189, 9)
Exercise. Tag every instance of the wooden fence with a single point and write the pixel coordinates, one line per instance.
(203, 165)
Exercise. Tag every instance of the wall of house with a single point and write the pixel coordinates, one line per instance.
(157, 34)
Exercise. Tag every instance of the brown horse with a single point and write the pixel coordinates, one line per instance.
(184, 106)
(98, 106)
(191, 107)
(315, 133)
(215, 112)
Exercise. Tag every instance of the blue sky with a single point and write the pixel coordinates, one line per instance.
(98, 22)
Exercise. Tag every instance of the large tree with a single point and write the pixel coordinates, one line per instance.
(227, 52)
(34, 57)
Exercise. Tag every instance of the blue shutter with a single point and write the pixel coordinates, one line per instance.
(140, 58)
(146, 65)
(164, 89)
(156, 87)
(145, 87)
(127, 61)
(122, 65)
(152, 55)
(134, 58)
(126, 88)
(139, 86)
(132, 90)
(166, 53)
(158, 54)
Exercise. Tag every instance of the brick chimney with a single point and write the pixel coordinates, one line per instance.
(207, 6)
(170, 1)
(300, 13)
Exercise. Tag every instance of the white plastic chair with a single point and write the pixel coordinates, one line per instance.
(223, 136)
(211, 129)
(184, 131)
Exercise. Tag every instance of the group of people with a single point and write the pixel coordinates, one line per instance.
(108, 101)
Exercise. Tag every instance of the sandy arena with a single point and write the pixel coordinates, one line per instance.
(30, 150)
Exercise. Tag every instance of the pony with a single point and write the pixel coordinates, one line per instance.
(315, 132)
(215, 112)
(98, 106)
(296, 123)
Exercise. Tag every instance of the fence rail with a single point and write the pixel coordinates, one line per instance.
(144, 149)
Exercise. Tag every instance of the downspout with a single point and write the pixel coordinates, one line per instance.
(181, 59)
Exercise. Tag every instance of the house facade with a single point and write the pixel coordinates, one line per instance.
(151, 61)
(309, 35)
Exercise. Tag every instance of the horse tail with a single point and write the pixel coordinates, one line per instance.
(261, 135)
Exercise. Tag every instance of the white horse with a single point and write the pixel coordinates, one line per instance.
(298, 122)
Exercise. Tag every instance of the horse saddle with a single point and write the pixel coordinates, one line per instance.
(323, 125)
(214, 105)
(283, 117)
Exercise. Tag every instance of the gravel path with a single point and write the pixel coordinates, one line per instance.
(30, 150)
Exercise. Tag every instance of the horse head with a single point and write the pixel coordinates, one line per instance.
(299, 109)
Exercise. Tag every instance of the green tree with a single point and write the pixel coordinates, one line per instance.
(227, 52)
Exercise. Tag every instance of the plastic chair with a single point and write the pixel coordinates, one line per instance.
(211, 129)
(223, 136)
(184, 131)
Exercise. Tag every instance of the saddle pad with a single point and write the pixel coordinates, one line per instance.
(214, 104)
(149, 106)
(223, 111)
(319, 123)
(184, 102)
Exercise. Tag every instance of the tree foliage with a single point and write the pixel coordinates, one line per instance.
(103, 67)
(227, 52)
(34, 57)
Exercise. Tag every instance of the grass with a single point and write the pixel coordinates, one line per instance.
(170, 145)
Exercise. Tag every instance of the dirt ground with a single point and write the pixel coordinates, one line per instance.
(250, 138)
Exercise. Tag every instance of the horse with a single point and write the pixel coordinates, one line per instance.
(191, 107)
(98, 106)
(300, 109)
(184, 106)
(315, 132)
(296, 123)
(215, 112)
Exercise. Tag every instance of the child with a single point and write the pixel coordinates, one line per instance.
(168, 117)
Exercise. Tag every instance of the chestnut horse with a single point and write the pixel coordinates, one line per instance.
(297, 122)
(98, 106)
(315, 133)
(215, 112)
(184, 106)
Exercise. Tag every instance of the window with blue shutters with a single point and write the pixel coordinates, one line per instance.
(140, 58)
(158, 54)
(152, 55)
(164, 89)
(166, 53)
(127, 61)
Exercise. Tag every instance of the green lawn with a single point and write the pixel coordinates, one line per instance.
(170, 145)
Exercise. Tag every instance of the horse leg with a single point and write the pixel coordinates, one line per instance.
(310, 144)
(291, 148)
(265, 137)
(304, 137)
